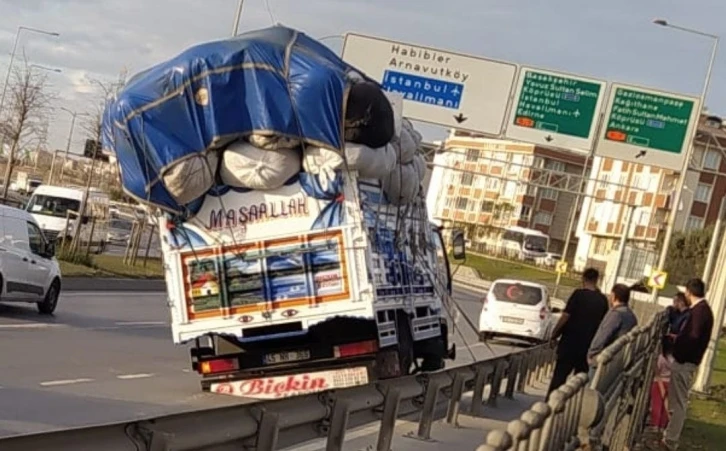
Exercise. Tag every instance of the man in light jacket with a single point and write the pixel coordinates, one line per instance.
(618, 321)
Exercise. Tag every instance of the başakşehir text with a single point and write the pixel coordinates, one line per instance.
(435, 82)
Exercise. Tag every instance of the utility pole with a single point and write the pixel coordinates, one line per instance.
(237, 18)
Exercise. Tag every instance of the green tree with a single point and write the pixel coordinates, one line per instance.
(687, 254)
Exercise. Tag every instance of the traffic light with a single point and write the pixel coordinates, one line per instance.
(93, 149)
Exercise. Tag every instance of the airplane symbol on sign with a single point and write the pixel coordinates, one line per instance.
(577, 113)
(456, 91)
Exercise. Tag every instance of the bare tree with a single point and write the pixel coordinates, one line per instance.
(27, 121)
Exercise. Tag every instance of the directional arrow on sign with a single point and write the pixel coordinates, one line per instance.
(460, 118)
(641, 154)
(549, 138)
(659, 279)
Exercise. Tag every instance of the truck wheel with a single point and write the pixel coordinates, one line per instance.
(405, 344)
(432, 359)
(47, 306)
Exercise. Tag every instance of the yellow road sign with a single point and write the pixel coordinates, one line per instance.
(658, 279)
(561, 267)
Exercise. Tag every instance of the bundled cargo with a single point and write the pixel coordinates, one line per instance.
(370, 163)
(247, 166)
(276, 87)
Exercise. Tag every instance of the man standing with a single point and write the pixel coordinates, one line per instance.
(688, 349)
(617, 322)
(577, 326)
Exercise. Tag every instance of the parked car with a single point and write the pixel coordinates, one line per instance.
(516, 309)
(119, 231)
(29, 271)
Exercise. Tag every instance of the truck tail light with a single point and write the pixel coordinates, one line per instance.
(484, 302)
(543, 313)
(353, 349)
(218, 366)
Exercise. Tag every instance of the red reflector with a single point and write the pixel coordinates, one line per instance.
(352, 349)
(218, 366)
(542, 313)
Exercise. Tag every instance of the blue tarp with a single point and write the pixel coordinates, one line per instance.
(275, 80)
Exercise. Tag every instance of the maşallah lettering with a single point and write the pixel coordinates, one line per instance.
(264, 211)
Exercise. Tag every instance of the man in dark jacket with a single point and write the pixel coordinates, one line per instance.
(577, 326)
(688, 349)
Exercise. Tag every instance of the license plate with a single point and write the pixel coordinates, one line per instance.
(285, 357)
(512, 320)
(294, 385)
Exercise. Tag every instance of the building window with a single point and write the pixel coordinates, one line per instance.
(461, 203)
(524, 212)
(712, 160)
(467, 178)
(548, 193)
(703, 193)
(556, 166)
(492, 183)
(543, 218)
(487, 206)
(500, 157)
(472, 154)
(449, 202)
(694, 223)
(604, 181)
(531, 190)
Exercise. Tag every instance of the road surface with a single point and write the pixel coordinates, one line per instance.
(109, 357)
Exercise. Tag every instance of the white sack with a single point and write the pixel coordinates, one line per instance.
(273, 142)
(402, 184)
(192, 177)
(419, 162)
(407, 145)
(370, 163)
(246, 166)
(414, 133)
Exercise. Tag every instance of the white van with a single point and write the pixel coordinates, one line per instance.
(29, 271)
(50, 206)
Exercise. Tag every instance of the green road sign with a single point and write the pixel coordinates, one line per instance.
(648, 126)
(555, 108)
(649, 120)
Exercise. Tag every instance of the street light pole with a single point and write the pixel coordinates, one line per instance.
(237, 18)
(716, 290)
(680, 184)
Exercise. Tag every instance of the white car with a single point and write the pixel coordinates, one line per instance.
(516, 309)
(29, 271)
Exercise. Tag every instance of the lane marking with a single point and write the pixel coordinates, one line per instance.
(30, 326)
(134, 376)
(65, 382)
(141, 323)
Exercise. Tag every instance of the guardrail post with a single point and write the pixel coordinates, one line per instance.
(268, 431)
(515, 363)
(545, 436)
(480, 381)
(338, 425)
(452, 415)
(429, 408)
(388, 420)
(496, 441)
(535, 421)
(496, 386)
(525, 368)
(519, 431)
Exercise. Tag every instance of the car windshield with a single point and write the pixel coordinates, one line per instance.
(53, 206)
(517, 293)
(535, 243)
(121, 225)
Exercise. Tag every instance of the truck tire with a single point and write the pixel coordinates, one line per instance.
(405, 344)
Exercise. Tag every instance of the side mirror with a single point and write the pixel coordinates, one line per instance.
(459, 245)
(50, 249)
(556, 310)
(84, 220)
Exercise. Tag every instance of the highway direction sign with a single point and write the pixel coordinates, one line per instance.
(648, 126)
(438, 87)
(556, 109)
(658, 279)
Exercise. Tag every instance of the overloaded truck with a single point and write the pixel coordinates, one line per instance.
(297, 250)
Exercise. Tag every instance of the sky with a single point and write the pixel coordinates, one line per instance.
(613, 40)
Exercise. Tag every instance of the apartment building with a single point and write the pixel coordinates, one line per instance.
(485, 185)
(613, 185)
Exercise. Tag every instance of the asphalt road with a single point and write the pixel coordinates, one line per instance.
(109, 357)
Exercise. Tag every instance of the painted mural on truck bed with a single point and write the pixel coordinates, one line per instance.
(252, 251)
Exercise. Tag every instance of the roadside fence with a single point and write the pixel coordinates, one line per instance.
(607, 412)
(272, 425)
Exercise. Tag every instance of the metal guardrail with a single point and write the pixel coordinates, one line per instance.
(267, 426)
(607, 412)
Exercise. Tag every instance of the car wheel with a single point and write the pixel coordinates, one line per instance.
(48, 305)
